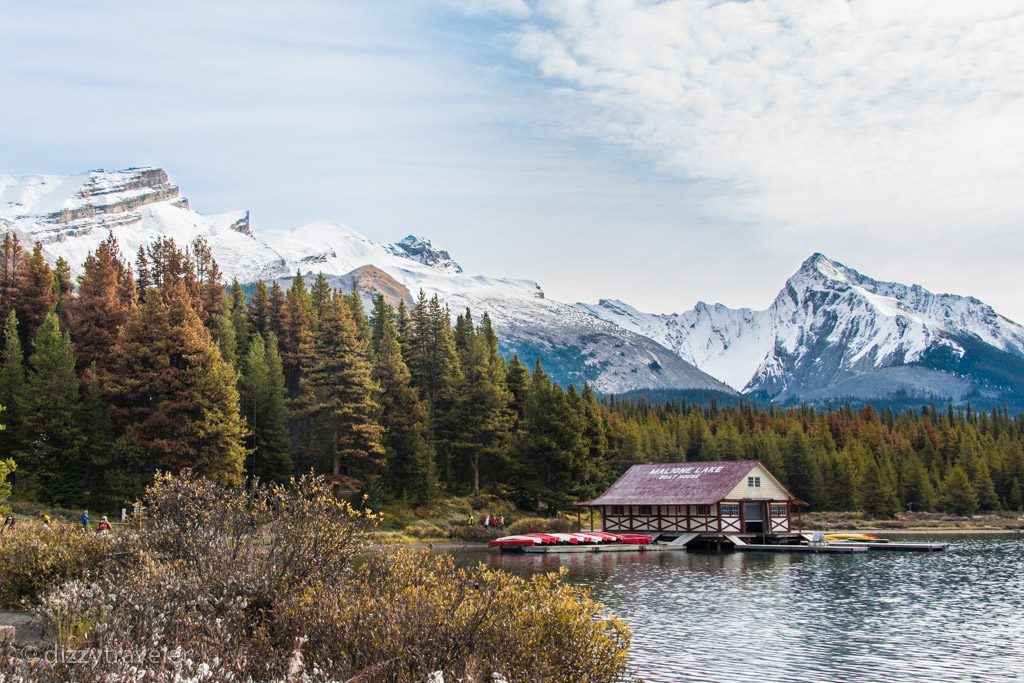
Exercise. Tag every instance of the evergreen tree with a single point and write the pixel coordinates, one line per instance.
(517, 377)
(918, 492)
(344, 413)
(355, 304)
(102, 474)
(104, 301)
(409, 458)
(278, 310)
(172, 390)
(263, 405)
(239, 319)
(12, 386)
(552, 448)
(956, 494)
(35, 293)
(62, 286)
(876, 492)
(259, 310)
(320, 294)
(484, 416)
(52, 455)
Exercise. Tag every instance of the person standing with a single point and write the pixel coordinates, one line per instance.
(104, 526)
(85, 520)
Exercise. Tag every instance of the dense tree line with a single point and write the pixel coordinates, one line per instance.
(160, 365)
(958, 461)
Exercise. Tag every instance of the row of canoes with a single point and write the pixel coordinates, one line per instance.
(588, 538)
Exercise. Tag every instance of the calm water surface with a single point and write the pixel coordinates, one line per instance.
(881, 616)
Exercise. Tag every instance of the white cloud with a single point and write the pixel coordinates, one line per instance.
(827, 124)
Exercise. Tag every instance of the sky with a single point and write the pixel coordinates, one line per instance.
(661, 153)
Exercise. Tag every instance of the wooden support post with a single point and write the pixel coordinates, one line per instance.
(592, 518)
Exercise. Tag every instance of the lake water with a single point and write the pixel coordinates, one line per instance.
(956, 615)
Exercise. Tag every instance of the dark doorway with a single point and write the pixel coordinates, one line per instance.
(753, 517)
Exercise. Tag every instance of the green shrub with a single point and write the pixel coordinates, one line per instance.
(540, 525)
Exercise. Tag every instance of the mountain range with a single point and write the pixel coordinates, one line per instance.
(831, 334)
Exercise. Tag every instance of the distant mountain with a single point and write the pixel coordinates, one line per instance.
(71, 215)
(834, 334)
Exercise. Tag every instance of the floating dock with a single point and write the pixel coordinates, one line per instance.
(783, 548)
(741, 545)
(892, 545)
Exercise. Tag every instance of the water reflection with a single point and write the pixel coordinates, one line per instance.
(952, 616)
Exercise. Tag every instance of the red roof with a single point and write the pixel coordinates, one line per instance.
(686, 483)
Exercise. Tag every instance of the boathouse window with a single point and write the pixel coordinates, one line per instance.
(703, 510)
(778, 510)
(754, 481)
(730, 510)
(645, 509)
(617, 510)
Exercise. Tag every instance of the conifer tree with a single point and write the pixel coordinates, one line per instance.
(62, 286)
(222, 331)
(552, 448)
(344, 413)
(918, 492)
(876, 492)
(259, 310)
(239, 319)
(517, 377)
(175, 394)
(12, 386)
(409, 458)
(956, 494)
(278, 310)
(11, 256)
(104, 301)
(485, 419)
(320, 294)
(263, 406)
(53, 440)
(36, 295)
(379, 314)
(209, 281)
(102, 474)
(355, 304)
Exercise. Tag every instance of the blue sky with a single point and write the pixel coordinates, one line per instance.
(660, 153)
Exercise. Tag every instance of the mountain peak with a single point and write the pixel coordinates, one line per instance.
(821, 269)
(420, 249)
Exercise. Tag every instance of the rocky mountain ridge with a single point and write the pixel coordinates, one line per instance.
(140, 204)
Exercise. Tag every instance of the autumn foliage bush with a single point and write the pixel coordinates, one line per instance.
(278, 584)
(35, 559)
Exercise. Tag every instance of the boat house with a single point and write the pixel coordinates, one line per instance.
(711, 499)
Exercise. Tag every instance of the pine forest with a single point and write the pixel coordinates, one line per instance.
(159, 365)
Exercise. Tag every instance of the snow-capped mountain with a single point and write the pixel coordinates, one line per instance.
(71, 215)
(835, 333)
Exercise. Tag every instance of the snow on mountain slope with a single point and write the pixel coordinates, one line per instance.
(71, 215)
(828, 325)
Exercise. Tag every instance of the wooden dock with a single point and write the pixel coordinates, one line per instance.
(892, 545)
(801, 548)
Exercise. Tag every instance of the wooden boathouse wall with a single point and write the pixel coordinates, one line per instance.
(732, 497)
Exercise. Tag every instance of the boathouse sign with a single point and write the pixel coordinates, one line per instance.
(683, 472)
